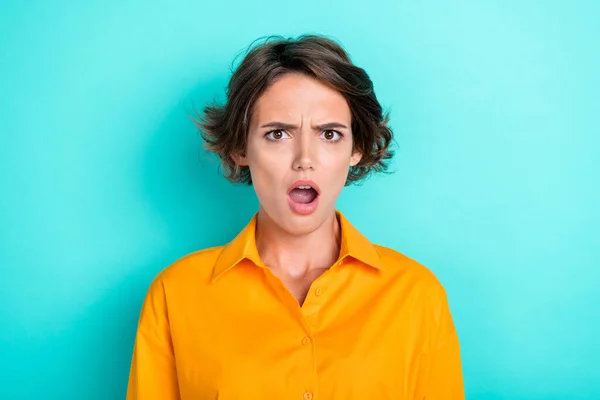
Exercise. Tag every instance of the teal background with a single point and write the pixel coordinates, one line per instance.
(496, 187)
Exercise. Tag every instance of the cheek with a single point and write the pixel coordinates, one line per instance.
(267, 171)
(266, 162)
(336, 160)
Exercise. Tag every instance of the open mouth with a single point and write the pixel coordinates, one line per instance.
(303, 197)
(303, 194)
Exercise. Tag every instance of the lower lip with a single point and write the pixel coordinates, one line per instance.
(304, 208)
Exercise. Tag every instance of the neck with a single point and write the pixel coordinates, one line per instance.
(297, 255)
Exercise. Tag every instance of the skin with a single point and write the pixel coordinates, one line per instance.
(298, 248)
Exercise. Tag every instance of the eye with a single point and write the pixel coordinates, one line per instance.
(331, 135)
(277, 134)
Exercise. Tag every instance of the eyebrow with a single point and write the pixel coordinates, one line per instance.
(283, 125)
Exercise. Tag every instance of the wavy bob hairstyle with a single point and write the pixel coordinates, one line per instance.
(225, 128)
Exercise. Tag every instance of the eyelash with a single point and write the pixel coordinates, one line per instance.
(340, 135)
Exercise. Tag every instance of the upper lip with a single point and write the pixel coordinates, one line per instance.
(310, 183)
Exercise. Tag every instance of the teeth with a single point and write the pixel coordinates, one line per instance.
(304, 187)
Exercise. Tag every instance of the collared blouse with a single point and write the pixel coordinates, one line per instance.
(218, 324)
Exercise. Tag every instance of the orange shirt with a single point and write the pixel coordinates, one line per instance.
(217, 324)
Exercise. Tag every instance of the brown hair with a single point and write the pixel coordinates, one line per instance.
(225, 128)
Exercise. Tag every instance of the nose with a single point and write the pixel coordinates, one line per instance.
(305, 150)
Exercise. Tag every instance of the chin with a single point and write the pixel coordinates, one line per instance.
(297, 224)
(303, 224)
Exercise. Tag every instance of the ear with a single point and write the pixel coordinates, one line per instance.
(240, 159)
(355, 158)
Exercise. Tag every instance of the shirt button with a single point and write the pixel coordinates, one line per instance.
(318, 291)
(308, 396)
(305, 341)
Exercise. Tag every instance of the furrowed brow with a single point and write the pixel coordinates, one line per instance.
(330, 125)
(279, 125)
(321, 127)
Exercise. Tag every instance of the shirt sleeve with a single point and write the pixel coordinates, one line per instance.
(153, 374)
(443, 376)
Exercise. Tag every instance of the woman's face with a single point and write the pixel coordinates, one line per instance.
(300, 130)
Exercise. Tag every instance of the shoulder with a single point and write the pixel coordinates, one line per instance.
(174, 284)
(402, 268)
(194, 269)
(418, 285)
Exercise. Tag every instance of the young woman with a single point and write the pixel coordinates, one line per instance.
(300, 305)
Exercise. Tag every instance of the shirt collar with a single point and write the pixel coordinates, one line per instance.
(353, 244)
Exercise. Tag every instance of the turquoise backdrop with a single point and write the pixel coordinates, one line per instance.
(495, 106)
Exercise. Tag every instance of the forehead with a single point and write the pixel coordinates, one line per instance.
(296, 96)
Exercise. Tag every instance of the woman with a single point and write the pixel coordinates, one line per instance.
(299, 305)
